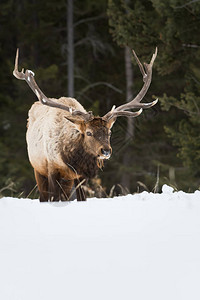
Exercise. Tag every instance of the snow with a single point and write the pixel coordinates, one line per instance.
(137, 247)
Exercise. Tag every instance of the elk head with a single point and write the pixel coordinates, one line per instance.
(95, 130)
(95, 133)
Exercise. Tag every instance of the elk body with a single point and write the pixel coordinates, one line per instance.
(63, 149)
(67, 144)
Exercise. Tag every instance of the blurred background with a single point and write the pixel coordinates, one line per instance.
(81, 48)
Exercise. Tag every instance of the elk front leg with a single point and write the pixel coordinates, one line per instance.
(66, 189)
(42, 183)
(54, 189)
(80, 194)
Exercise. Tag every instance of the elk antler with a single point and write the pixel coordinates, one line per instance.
(135, 103)
(28, 76)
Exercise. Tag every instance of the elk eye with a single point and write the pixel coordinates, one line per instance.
(89, 133)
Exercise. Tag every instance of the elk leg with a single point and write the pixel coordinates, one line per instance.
(42, 183)
(66, 189)
(54, 190)
(80, 194)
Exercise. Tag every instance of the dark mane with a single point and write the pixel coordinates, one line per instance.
(83, 162)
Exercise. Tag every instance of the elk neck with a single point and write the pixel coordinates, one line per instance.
(79, 160)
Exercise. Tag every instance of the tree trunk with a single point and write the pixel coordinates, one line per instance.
(70, 49)
(125, 181)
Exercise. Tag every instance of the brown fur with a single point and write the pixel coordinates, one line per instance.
(61, 151)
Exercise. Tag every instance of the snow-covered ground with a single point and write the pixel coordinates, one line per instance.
(136, 247)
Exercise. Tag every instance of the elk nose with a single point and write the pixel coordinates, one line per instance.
(106, 152)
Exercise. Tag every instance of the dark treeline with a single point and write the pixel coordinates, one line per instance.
(160, 146)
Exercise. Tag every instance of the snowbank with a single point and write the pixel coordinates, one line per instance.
(143, 246)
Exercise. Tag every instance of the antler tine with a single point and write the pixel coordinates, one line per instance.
(146, 71)
(28, 76)
(139, 64)
(16, 73)
(124, 114)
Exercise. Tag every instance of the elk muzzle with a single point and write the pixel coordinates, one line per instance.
(105, 152)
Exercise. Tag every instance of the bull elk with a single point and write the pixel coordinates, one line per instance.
(67, 144)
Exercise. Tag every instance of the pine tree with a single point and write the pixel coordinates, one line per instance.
(159, 23)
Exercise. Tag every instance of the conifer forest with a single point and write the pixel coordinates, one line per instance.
(82, 49)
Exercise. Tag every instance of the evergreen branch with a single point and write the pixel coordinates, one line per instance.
(190, 46)
(92, 85)
(186, 4)
(89, 20)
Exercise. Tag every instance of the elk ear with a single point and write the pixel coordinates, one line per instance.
(78, 122)
(111, 122)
